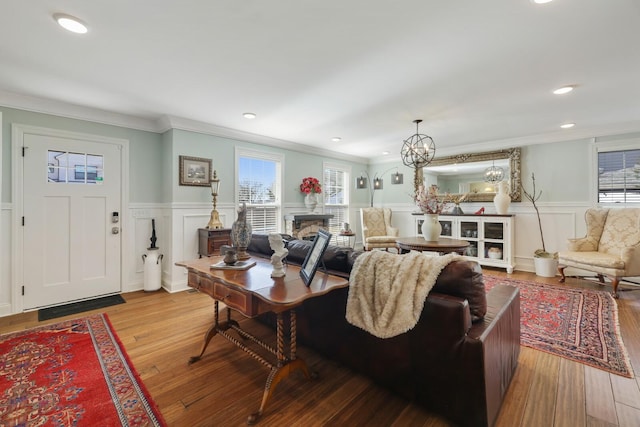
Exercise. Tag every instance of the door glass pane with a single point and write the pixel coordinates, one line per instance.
(472, 249)
(446, 228)
(56, 164)
(57, 158)
(493, 250)
(77, 168)
(94, 169)
(469, 229)
(493, 230)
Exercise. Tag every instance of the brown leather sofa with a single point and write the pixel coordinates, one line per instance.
(458, 361)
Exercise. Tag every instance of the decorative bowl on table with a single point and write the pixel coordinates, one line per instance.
(495, 253)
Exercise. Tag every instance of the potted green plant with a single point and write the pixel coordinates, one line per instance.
(545, 263)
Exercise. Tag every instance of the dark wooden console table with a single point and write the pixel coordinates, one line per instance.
(253, 292)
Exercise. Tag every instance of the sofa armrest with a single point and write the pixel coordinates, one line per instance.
(448, 310)
(582, 244)
(481, 363)
(365, 232)
(631, 257)
(392, 231)
(500, 338)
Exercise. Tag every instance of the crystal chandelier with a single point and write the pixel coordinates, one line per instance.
(493, 174)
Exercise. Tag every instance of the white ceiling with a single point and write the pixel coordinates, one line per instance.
(479, 73)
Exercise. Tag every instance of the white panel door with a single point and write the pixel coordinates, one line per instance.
(72, 188)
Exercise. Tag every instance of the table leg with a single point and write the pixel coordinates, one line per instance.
(213, 330)
(283, 368)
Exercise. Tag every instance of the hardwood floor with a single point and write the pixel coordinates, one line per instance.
(160, 331)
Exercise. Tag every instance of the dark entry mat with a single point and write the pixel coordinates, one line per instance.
(79, 307)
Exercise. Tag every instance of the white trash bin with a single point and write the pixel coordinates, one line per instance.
(152, 269)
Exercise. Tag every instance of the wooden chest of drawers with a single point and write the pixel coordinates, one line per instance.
(210, 240)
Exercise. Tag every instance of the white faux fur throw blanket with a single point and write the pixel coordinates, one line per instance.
(387, 291)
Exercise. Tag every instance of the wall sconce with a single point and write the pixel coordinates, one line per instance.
(364, 181)
(214, 221)
(397, 178)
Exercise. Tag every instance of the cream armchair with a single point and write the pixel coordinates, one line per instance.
(611, 247)
(377, 231)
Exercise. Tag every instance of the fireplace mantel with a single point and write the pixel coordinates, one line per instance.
(305, 225)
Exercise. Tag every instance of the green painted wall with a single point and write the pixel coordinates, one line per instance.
(145, 150)
(297, 165)
(562, 169)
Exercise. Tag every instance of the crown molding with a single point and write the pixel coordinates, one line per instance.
(165, 123)
(78, 112)
(171, 122)
(158, 125)
(586, 134)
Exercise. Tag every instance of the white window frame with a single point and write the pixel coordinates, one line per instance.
(263, 155)
(603, 147)
(334, 224)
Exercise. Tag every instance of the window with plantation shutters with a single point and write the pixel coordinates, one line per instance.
(259, 186)
(335, 189)
(619, 176)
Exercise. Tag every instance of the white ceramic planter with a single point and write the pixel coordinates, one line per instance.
(545, 267)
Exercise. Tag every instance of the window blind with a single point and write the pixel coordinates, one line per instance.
(619, 176)
(336, 201)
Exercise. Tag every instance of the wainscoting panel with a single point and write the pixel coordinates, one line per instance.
(139, 221)
(6, 286)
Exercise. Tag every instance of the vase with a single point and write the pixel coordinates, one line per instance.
(431, 228)
(502, 199)
(545, 267)
(311, 201)
(241, 233)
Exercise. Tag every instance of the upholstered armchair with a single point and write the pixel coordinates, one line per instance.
(377, 231)
(611, 247)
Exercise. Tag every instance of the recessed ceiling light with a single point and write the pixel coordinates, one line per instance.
(249, 115)
(564, 89)
(385, 153)
(541, 1)
(70, 23)
(336, 139)
(567, 125)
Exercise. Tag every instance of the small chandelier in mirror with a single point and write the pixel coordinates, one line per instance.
(418, 150)
(493, 174)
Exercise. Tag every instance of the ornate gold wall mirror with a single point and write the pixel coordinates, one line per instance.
(464, 173)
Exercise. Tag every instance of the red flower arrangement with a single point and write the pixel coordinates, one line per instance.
(310, 185)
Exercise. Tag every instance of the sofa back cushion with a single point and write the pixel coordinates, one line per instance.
(463, 278)
(259, 244)
(335, 258)
(376, 220)
(621, 229)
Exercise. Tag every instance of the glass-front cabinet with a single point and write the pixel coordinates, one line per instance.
(490, 237)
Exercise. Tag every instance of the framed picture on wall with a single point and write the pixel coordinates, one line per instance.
(314, 256)
(195, 171)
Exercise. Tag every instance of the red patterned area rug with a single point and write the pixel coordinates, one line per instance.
(72, 373)
(577, 324)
